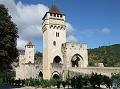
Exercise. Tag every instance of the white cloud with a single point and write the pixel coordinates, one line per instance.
(91, 32)
(70, 33)
(105, 31)
(88, 32)
(29, 21)
(70, 29)
(72, 38)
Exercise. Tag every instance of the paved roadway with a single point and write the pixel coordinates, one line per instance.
(6, 86)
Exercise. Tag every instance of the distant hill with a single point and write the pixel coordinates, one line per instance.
(108, 55)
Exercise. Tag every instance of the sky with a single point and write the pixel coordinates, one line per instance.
(95, 22)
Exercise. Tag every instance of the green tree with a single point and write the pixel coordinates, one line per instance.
(108, 55)
(107, 81)
(8, 37)
(64, 83)
(38, 57)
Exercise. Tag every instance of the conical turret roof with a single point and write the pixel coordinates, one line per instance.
(29, 43)
(54, 9)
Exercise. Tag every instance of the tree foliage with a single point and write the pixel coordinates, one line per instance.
(108, 55)
(38, 58)
(8, 37)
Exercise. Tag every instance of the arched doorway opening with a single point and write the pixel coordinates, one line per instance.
(75, 61)
(55, 75)
(40, 75)
(57, 59)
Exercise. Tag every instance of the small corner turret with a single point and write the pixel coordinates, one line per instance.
(29, 52)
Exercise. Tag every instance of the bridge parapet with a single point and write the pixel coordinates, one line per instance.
(100, 70)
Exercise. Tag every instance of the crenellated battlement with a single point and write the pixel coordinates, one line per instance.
(54, 21)
(73, 45)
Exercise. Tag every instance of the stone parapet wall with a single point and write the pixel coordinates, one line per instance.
(74, 45)
(100, 70)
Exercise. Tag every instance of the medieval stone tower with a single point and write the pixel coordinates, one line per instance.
(58, 55)
(54, 34)
(29, 52)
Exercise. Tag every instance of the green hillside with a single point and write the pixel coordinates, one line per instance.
(108, 55)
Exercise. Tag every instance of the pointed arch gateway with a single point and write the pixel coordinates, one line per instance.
(57, 59)
(40, 75)
(76, 60)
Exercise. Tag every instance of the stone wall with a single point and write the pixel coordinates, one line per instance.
(100, 70)
(69, 49)
(26, 71)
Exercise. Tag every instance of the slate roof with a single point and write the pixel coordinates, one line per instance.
(54, 9)
(29, 43)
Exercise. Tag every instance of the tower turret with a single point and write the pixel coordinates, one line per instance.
(29, 52)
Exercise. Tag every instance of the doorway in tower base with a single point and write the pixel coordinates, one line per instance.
(55, 75)
(57, 59)
(76, 61)
(40, 75)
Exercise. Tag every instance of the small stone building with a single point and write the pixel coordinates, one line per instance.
(27, 68)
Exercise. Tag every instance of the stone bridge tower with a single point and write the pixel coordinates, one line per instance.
(29, 52)
(54, 34)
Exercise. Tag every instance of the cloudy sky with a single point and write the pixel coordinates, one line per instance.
(96, 22)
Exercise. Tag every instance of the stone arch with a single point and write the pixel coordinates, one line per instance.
(40, 75)
(76, 60)
(57, 59)
(55, 75)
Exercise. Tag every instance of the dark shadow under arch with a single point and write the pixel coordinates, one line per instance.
(40, 75)
(55, 75)
(75, 60)
(57, 59)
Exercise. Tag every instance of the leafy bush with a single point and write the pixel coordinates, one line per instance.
(117, 75)
(107, 81)
(77, 82)
(64, 83)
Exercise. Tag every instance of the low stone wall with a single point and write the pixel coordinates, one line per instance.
(100, 70)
